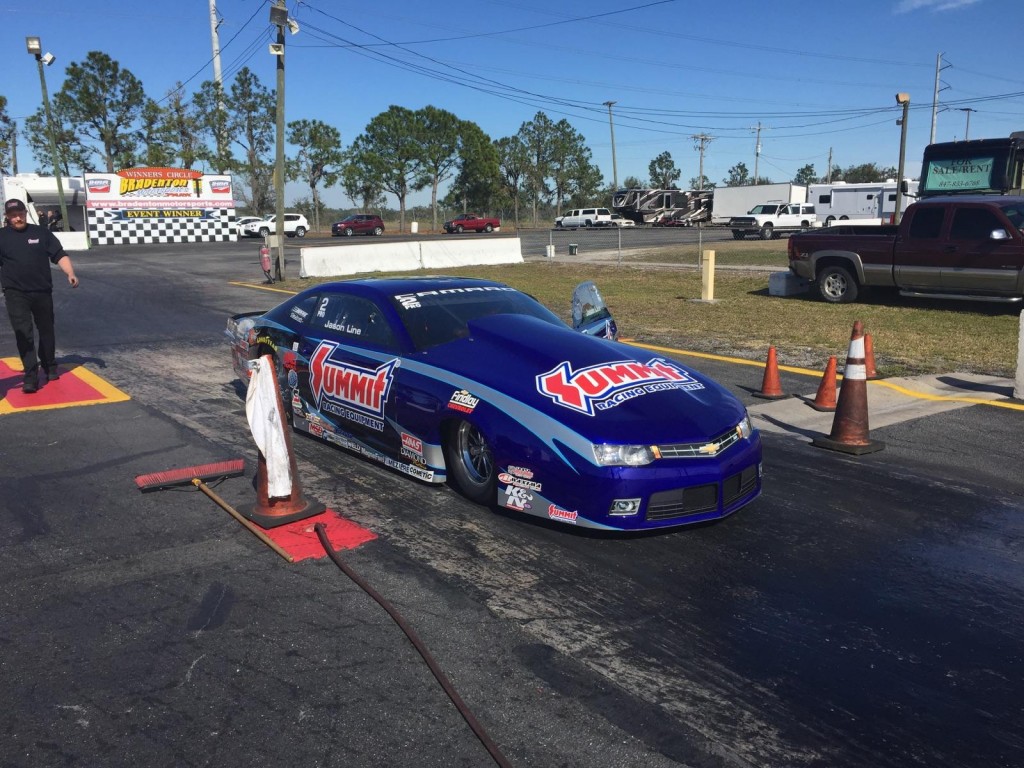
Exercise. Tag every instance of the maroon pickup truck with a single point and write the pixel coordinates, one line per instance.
(470, 222)
(964, 247)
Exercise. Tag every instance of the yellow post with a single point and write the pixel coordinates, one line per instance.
(707, 276)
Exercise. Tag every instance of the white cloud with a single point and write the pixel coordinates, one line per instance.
(937, 6)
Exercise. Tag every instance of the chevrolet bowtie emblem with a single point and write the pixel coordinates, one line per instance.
(709, 448)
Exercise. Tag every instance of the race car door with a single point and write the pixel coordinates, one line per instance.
(353, 360)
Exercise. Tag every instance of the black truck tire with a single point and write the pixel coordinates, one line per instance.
(836, 285)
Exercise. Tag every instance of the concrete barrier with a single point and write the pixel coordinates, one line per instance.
(405, 256)
(73, 241)
(1018, 386)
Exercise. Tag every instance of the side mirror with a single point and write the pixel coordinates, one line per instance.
(999, 234)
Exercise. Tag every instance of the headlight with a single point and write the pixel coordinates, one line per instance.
(745, 428)
(623, 455)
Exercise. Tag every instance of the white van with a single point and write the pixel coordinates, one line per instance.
(585, 217)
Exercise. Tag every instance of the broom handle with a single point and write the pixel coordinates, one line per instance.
(238, 516)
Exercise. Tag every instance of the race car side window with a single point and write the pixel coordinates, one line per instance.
(354, 319)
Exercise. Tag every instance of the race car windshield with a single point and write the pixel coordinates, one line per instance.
(437, 318)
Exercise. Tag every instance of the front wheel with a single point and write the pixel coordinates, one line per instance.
(458, 230)
(349, 231)
(264, 232)
(836, 285)
(471, 463)
(767, 232)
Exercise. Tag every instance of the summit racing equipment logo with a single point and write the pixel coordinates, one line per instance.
(607, 385)
(350, 391)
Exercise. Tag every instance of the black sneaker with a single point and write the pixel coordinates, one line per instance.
(30, 385)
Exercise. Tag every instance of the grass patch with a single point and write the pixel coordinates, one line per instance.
(661, 306)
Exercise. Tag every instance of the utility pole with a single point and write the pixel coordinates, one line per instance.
(828, 173)
(935, 96)
(757, 151)
(217, 76)
(701, 140)
(615, 170)
(279, 16)
(14, 148)
(903, 99)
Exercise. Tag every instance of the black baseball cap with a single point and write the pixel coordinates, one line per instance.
(14, 204)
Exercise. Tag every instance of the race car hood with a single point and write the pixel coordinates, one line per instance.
(606, 391)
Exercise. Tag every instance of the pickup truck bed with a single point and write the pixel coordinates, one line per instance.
(965, 247)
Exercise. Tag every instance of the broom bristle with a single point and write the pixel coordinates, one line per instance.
(156, 481)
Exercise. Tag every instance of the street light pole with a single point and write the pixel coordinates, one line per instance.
(35, 47)
(615, 170)
(279, 16)
(904, 99)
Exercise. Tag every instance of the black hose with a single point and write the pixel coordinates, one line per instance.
(470, 718)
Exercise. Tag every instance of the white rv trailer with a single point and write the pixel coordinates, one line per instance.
(874, 200)
(729, 202)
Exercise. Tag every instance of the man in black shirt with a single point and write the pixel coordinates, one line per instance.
(26, 251)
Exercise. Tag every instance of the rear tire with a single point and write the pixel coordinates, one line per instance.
(300, 231)
(488, 228)
(470, 463)
(378, 231)
(836, 285)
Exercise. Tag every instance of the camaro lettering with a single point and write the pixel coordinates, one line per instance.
(345, 386)
(607, 385)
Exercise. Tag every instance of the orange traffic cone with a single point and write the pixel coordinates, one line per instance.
(272, 511)
(825, 400)
(850, 426)
(771, 388)
(869, 358)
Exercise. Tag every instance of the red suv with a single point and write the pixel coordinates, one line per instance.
(358, 223)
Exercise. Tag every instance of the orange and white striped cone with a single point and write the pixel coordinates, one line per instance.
(850, 425)
(771, 387)
(825, 399)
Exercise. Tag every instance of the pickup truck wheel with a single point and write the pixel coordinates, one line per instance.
(767, 232)
(738, 234)
(836, 285)
(488, 228)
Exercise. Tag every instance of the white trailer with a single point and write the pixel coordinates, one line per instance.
(875, 201)
(728, 202)
(40, 192)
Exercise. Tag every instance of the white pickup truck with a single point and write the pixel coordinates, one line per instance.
(768, 220)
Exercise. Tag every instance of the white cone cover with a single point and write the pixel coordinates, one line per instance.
(262, 409)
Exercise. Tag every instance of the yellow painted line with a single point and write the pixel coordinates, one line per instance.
(808, 372)
(261, 287)
(109, 393)
(724, 359)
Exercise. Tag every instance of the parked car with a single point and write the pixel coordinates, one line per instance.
(242, 221)
(358, 224)
(619, 220)
(472, 223)
(584, 217)
(475, 383)
(295, 225)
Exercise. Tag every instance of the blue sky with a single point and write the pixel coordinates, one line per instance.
(818, 78)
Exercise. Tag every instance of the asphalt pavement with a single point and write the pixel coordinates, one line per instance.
(861, 613)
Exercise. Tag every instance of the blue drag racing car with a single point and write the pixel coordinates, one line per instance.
(475, 383)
